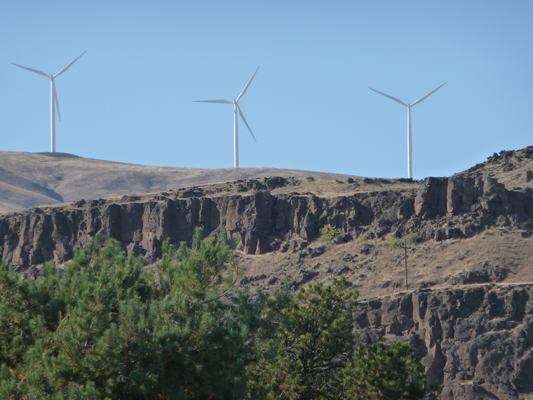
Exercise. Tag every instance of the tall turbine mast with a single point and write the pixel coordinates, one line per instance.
(53, 99)
(236, 109)
(409, 135)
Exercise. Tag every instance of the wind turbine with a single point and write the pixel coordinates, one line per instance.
(235, 109)
(409, 136)
(53, 98)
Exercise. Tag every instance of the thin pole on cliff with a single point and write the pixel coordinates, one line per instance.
(405, 248)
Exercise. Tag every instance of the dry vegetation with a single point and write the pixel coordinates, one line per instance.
(30, 180)
(375, 269)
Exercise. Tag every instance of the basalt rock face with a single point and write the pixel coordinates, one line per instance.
(455, 195)
(256, 220)
(459, 207)
(475, 340)
(260, 221)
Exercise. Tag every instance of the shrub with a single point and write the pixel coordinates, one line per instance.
(363, 237)
(414, 238)
(327, 233)
(395, 243)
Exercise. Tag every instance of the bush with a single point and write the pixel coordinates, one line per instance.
(363, 237)
(395, 243)
(327, 233)
(413, 238)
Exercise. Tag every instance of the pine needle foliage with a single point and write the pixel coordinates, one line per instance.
(104, 327)
(384, 371)
(305, 356)
(309, 352)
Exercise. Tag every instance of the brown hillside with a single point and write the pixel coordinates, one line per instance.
(51, 178)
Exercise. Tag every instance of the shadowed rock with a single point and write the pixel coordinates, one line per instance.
(475, 340)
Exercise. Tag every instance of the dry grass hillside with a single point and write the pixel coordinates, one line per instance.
(495, 256)
(36, 179)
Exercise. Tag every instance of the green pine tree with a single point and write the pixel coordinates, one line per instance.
(384, 371)
(104, 327)
(305, 356)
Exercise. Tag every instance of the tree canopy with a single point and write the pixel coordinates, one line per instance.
(105, 327)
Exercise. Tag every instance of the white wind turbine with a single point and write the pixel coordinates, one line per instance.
(53, 98)
(409, 137)
(235, 109)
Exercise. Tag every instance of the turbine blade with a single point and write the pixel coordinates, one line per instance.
(213, 101)
(55, 99)
(32, 70)
(68, 66)
(244, 119)
(427, 95)
(390, 97)
(248, 84)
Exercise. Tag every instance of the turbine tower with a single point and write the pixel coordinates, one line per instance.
(409, 136)
(236, 109)
(53, 98)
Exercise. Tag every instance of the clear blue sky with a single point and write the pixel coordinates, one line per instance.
(129, 98)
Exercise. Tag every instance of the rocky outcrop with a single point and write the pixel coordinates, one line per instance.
(509, 160)
(455, 195)
(257, 220)
(260, 221)
(475, 340)
(459, 207)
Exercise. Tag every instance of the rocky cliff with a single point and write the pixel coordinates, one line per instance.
(476, 340)
(261, 220)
